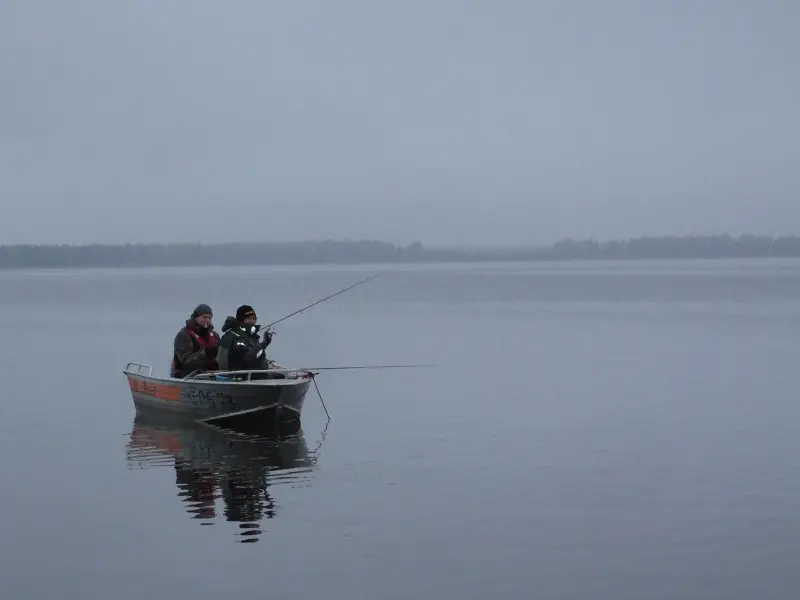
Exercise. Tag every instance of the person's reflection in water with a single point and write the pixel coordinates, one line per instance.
(211, 463)
(198, 488)
(247, 501)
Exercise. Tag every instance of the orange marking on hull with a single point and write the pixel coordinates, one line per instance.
(156, 390)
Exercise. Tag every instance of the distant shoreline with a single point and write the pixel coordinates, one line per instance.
(365, 252)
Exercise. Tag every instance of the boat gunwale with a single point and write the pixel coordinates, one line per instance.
(282, 382)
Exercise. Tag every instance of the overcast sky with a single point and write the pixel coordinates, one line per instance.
(443, 121)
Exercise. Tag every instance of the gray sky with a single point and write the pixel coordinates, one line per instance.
(443, 121)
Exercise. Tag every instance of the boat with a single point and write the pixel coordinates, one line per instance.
(217, 396)
(221, 397)
(214, 396)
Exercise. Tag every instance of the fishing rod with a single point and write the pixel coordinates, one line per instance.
(349, 367)
(349, 287)
(312, 375)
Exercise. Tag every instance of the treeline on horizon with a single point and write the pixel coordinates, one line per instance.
(353, 252)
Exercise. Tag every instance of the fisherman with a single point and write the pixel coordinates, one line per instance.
(240, 347)
(196, 344)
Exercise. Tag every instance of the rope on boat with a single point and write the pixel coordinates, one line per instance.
(325, 408)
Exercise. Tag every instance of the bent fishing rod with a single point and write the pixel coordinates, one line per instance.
(349, 287)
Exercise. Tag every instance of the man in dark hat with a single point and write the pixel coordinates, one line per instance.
(196, 344)
(240, 348)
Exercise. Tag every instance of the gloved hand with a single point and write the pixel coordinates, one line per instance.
(267, 338)
(212, 352)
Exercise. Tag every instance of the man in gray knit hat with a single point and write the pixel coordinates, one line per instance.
(195, 346)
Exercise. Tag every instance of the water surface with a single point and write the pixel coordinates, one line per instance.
(592, 430)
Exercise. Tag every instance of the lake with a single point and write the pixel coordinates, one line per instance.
(608, 430)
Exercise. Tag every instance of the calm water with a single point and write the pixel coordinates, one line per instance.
(604, 431)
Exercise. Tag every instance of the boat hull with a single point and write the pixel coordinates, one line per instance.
(207, 400)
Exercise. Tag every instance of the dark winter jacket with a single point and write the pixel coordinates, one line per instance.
(240, 348)
(194, 348)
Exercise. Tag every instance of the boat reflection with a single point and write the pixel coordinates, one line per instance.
(216, 466)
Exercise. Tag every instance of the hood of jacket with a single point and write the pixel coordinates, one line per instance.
(230, 323)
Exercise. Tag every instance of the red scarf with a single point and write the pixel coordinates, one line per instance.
(210, 341)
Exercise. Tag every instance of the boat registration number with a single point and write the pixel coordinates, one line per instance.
(206, 397)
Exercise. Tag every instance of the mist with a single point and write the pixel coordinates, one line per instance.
(444, 122)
